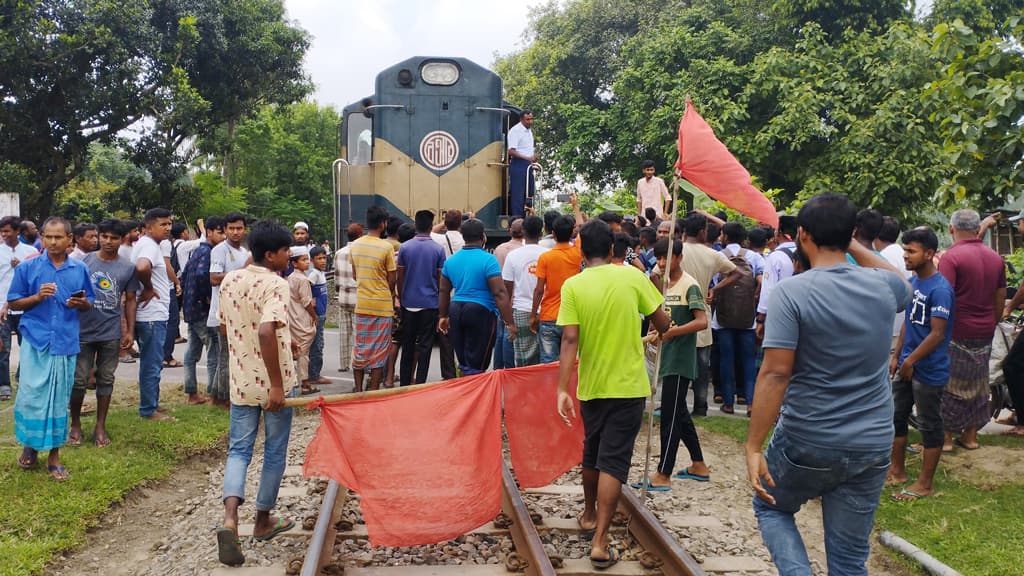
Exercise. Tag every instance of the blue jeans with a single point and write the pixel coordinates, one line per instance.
(151, 354)
(245, 423)
(504, 352)
(849, 484)
(198, 338)
(550, 342)
(212, 358)
(730, 343)
(316, 351)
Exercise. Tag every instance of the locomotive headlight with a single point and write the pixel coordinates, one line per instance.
(440, 73)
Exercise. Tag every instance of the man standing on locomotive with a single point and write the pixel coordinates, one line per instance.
(521, 154)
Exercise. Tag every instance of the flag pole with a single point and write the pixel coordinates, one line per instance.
(666, 277)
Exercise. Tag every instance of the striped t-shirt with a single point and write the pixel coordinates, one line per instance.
(372, 259)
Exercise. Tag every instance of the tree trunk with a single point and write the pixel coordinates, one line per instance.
(229, 157)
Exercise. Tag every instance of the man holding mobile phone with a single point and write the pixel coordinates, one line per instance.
(51, 291)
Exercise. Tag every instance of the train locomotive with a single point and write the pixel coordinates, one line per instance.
(432, 136)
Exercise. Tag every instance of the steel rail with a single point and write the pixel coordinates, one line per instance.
(648, 531)
(321, 544)
(524, 533)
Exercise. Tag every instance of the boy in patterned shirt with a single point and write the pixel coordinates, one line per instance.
(254, 322)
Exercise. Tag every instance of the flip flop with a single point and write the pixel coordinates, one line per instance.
(1017, 431)
(907, 496)
(74, 439)
(5, 397)
(58, 473)
(605, 563)
(229, 547)
(101, 442)
(584, 531)
(961, 444)
(650, 487)
(281, 526)
(308, 389)
(28, 459)
(687, 475)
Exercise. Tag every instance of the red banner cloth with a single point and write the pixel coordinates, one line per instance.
(708, 164)
(426, 464)
(543, 447)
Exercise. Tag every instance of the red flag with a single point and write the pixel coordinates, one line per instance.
(543, 447)
(426, 464)
(708, 164)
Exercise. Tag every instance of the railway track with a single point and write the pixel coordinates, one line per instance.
(662, 553)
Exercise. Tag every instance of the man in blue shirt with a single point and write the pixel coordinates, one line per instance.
(921, 361)
(827, 343)
(480, 293)
(50, 290)
(419, 267)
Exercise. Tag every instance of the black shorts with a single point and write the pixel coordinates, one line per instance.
(610, 426)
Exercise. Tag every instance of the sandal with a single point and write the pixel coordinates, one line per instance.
(28, 459)
(605, 563)
(58, 473)
(585, 532)
(101, 441)
(5, 397)
(308, 389)
(74, 439)
(283, 525)
(172, 363)
(229, 547)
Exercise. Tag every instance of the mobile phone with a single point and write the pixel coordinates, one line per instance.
(79, 294)
(563, 198)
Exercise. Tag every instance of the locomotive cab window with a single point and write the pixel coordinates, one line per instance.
(440, 73)
(360, 139)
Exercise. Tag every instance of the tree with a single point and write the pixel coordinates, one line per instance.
(76, 73)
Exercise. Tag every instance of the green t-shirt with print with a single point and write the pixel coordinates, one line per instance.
(606, 302)
(679, 355)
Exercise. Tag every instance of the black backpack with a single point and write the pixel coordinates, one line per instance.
(736, 304)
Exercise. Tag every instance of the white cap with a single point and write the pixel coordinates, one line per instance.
(297, 251)
(302, 225)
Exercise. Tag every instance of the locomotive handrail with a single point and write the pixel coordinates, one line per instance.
(502, 164)
(375, 106)
(489, 109)
(535, 167)
(379, 162)
(348, 181)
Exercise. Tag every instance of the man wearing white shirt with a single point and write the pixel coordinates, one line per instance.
(521, 154)
(520, 276)
(225, 257)
(153, 308)
(651, 192)
(893, 254)
(778, 266)
(12, 253)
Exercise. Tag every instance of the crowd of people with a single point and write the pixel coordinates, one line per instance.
(835, 329)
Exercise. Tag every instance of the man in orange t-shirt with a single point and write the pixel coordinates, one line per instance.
(554, 267)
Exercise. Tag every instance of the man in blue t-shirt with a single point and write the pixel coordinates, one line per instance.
(419, 265)
(827, 343)
(475, 277)
(921, 362)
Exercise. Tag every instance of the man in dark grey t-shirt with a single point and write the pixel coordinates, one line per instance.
(105, 328)
(827, 340)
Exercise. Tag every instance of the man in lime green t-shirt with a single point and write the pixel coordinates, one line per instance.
(600, 319)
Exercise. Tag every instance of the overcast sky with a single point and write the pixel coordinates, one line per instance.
(355, 39)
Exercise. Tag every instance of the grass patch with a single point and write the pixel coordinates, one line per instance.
(41, 518)
(968, 523)
(735, 428)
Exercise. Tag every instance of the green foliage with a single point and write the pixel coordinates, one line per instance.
(47, 517)
(218, 199)
(1015, 267)
(78, 73)
(853, 97)
(978, 103)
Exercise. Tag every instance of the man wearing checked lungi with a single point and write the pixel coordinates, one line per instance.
(51, 290)
(375, 273)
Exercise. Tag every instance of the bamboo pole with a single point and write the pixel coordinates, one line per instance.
(666, 278)
(335, 398)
